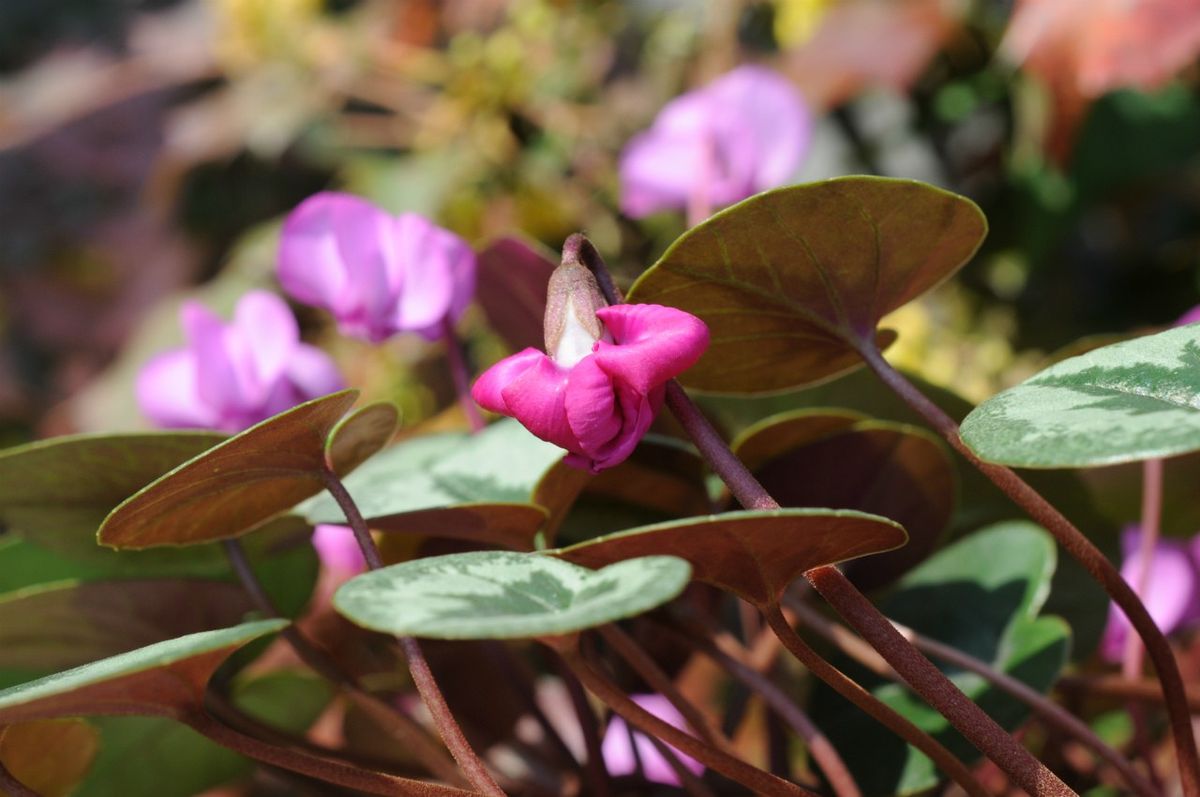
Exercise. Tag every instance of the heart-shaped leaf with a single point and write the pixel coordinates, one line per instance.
(754, 555)
(61, 488)
(232, 488)
(361, 435)
(1132, 400)
(982, 596)
(841, 460)
(505, 595)
(54, 627)
(49, 756)
(491, 475)
(791, 281)
(164, 679)
(512, 276)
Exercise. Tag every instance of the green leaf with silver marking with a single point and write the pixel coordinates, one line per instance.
(504, 595)
(1134, 400)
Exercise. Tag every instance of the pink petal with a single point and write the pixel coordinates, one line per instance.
(217, 380)
(1190, 317)
(591, 406)
(313, 373)
(266, 335)
(536, 399)
(618, 754)
(1170, 594)
(439, 275)
(167, 393)
(658, 171)
(338, 550)
(488, 390)
(653, 344)
(311, 268)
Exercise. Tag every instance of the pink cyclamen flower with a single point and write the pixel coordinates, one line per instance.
(231, 376)
(338, 550)
(745, 132)
(618, 753)
(377, 273)
(1171, 594)
(1190, 317)
(596, 394)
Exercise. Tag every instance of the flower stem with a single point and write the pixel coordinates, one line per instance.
(1152, 488)
(594, 769)
(819, 747)
(329, 771)
(872, 706)
(406, 731)
(1081, 548)
(753, 778)
(462, 377)
(925, 679)
(448, 728)
(1050, 712)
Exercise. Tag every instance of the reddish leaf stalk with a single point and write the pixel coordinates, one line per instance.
(926, 679)
(448, 728)
(406, 731)
(753, 778)
(342, 774)
(462, 377)
(1050, 712)
(594, 769)
(872, 706)
(1081, 548)
(819, 746)
(660, 682)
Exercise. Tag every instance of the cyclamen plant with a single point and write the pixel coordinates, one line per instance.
(787, 290)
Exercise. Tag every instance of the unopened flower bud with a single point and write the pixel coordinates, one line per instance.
(571, 325)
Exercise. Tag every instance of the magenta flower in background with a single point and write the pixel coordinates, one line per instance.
(1190, 317)
(231, 376)
(618, 753)
(1172, 594)
(745, 132)
(597, 394)
(377, 273)
(338, 550)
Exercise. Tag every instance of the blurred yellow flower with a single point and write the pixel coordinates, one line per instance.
(797, 20)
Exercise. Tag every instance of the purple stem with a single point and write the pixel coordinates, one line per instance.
(462, 377)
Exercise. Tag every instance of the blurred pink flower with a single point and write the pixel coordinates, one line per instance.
(1190, 317)
(338, 550)
(1172, 593)
(231, 376)
(596, 397)
(378, 274)
(618, 753)
(745, 132)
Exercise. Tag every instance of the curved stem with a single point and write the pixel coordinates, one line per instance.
(448, 728)
(1050, 712)
(927, 680)
(462, 377)
(819, 747)
(1081, 548)
(1152, 487)
(597, 773)
(660, 682)
(336, 772)
(871, 705)
(400, 725)
(753, 778)
(687, 779)
(1114, 686)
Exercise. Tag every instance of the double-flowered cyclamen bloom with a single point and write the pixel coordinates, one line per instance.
(745, 132)
(1171, 593)
(620, 758)
(231, 376)
(377, 273)
(603, 380)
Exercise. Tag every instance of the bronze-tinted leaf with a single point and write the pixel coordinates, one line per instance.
(360, 435)
(844, 461)
(512, 526)
(755, 555)
(232, 488)
(792, 280)
(164, 679)
(51, 757)
(57, 626)
(60, 489)
(512, 277)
